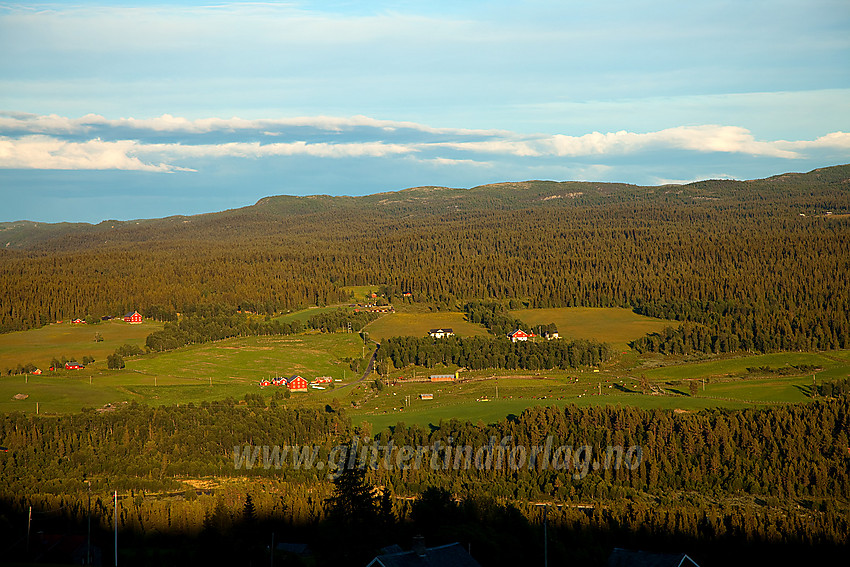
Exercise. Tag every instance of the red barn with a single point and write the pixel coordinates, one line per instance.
(133, 317)
(73, 366)
(297, 384)
(78, 321)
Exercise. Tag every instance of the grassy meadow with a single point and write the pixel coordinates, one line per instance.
(613, 325)
(234, 367)
(211, 371)
(39, 346)
(418, 325)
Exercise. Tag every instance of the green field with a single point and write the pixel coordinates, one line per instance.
(418, 325)
(304, 314)
(234, 367)
(358, 292)
(737, 366)
(212, 371)
(605, 324)
(39, 346)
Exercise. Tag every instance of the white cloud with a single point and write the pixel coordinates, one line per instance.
(53, 124)
(708, 138)
(834, 140)
(39, 142)
(41, 152)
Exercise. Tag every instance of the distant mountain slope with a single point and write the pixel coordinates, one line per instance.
(821, 189)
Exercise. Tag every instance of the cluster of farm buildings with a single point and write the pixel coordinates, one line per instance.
(296, 383)
(133, 317)
(516, 336)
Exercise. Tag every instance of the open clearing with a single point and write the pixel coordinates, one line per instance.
(418, 325)
(614, 325)
(358, 292)
(212, 371)
(234, 367)
(39, 346)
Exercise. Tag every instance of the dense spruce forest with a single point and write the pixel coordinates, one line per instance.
(748, 265)
(754, 483)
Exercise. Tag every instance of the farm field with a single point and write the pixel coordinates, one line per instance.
(211, 372)
(304, 314)
(418, 325)
(233, 367)
(728, 385)
(39, 346)
(358, 292)
(253, 358)
(737, 367)
(614, 325)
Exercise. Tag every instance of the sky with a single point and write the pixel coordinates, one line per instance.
(122, 110)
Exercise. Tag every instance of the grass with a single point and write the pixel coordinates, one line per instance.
(233, 367)
(304, 314)
(418, 325)
(212, 371)
(39, 346)
(358, 292)
(737, 367)
(461, 401)
(613, 325)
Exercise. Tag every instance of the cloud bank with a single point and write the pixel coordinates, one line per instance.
(170, 143)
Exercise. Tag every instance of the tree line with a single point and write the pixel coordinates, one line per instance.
(476, 353)
(774, 477)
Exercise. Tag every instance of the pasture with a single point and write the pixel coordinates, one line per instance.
(211, 371)
(418, 325)
(613, 325)
(359, 292)
(233, 368)
(39, 346)
(304, 314)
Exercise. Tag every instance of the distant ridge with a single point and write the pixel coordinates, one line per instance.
(274, 212)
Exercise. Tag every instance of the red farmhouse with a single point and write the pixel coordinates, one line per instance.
(73, 366)
(133, 317)
(519, 335)
(297, 384)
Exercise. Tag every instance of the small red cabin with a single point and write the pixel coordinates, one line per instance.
(134, 317)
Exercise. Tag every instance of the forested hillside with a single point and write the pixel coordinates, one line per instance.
(751, 265)
(717, 483)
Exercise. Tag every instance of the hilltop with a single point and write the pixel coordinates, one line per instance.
(813, 193)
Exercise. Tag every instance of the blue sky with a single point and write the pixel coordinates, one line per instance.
(130, 109)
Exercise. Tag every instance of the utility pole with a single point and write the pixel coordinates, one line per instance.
(115, 514)
(88, 536)
(29, 525)
(546, 537)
